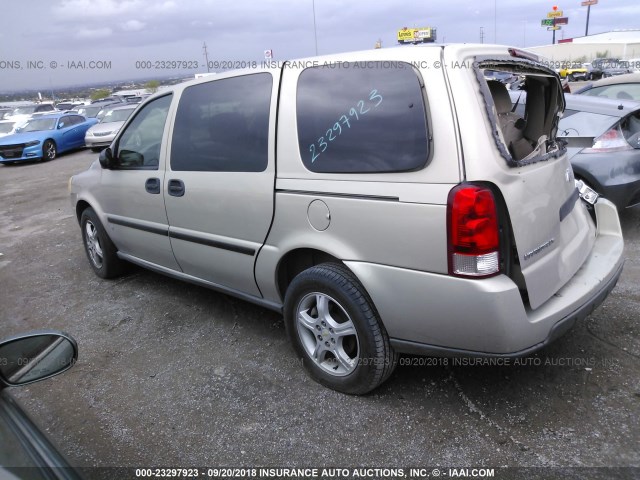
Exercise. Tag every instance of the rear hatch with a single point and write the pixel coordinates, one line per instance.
(551, 232)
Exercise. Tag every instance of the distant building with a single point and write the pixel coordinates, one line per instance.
(622, 44)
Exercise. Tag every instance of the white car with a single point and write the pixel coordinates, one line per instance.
(102, 134)
(24, 113)
(7, 127)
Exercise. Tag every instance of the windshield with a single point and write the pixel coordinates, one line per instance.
(37, 124)
(89, 111)
(25, 110)
(6, 127)
(117, 115)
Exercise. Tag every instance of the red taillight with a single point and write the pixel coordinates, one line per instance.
(610, 141)
(474, 238)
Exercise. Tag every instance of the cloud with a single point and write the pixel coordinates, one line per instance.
(133, 26)
(86, 9)
(95, 33)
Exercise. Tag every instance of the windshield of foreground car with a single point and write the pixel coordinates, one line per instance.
(38, 124)
(117, 115)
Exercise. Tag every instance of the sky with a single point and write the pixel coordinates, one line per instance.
(54, 43)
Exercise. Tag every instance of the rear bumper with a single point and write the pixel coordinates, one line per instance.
(432, 314)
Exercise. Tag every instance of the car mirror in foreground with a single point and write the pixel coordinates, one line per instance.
(35, 356)
(106, 158)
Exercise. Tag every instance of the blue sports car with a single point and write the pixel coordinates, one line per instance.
(44, 136)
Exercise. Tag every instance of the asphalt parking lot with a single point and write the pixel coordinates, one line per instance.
(170, 374)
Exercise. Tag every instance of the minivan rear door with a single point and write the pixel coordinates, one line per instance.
(552, 230)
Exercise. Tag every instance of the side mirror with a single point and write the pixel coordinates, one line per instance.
(106, 158)
(35, 356)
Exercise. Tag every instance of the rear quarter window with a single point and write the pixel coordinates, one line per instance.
(362, 117)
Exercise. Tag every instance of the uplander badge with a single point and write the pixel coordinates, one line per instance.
(538, 249)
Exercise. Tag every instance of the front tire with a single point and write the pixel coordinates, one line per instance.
(49, 150)
(99, 248)
(336, 331)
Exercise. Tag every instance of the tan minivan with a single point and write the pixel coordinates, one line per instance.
(386, 201)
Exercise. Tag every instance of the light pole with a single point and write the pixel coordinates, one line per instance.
(495, 21)
(315, 30)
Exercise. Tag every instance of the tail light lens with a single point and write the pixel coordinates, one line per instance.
(610, 141)
(474, 237)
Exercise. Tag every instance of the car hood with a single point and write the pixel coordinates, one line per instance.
(25, 137)
(105, 127)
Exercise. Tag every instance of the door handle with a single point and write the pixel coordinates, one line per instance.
(176, 188)
(152, 185)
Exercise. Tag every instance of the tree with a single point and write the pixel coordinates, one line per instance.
(152, 86)
(100, 93)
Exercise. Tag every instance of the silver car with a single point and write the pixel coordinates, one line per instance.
(102, 134)
(386, 201)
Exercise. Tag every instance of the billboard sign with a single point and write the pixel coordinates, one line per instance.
(415, 35)
(554, 14)
(546, 22)
(561, 21)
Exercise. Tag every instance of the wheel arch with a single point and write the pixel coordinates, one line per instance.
(81, 206)
(298, 260)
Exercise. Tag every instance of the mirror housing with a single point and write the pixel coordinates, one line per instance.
(35, 356)
(106, 158)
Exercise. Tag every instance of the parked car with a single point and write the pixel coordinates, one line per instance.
(623, 87)
(573, 72)
(92, 110)
(101, 134)
(21, 114)
(7, 127)
(633, 64)
(112, 99)
(44, 137)
(606, 67)
(5, 112)
(603, 145)
(62, 106)
(25, 359)
(603, 138)
(382, 205)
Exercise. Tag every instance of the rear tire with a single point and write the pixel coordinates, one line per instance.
(336, 331)
(99, 248)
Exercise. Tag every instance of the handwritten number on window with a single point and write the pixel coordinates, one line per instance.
(374, 95)
(354, 114)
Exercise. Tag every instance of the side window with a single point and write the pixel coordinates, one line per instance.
(64, 122)
(139, 145)
(366, 117)
(223, 126)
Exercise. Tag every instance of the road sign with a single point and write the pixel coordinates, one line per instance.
(557, 13)
(561, 21)
(589, 2)
(553, 28)
(546, 22)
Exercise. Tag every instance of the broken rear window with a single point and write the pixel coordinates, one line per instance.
(524, 101)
